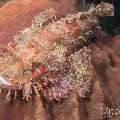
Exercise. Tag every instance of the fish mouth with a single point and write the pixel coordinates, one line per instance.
(4, 81)
(7, 84)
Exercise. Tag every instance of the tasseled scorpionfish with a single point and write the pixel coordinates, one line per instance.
(52, 57)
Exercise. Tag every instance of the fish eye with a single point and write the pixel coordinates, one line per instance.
(84, 17)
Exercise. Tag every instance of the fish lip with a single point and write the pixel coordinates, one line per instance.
(6, 84)
(4, 81)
